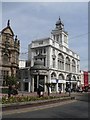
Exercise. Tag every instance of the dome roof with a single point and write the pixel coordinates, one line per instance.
(38, 62)
(58, 22)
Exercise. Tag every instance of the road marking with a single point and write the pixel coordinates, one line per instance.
(23, 110)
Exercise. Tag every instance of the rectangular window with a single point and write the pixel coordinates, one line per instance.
(54, 37)
(19, 74)
(53, 63)
(41, 42)
(60, 38)
(26, 74)
(44, 50)
(65, 38)
(57, 38)
(53, 43)
(40, 51)
(5, 74)
(44, 61)
(36, 52)
(53, 51)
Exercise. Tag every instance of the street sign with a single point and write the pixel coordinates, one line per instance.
(56, 80)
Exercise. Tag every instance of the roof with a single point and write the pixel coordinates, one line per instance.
(8, 29)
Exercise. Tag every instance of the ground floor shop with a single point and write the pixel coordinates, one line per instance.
(40, 81)
(40, 77)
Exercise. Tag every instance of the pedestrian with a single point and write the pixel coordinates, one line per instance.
(69, 90)
(66, 90)
(9, 91)
(59, 90)
(38, 92)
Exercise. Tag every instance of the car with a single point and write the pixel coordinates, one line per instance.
(79, 90)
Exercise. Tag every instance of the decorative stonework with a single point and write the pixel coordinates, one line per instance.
(9, 48)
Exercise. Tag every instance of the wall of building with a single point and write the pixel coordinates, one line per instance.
(9, 52)
(54, 47)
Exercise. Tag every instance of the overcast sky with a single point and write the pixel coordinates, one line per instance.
(31, 21)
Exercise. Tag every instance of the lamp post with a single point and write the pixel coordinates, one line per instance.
(69, 84)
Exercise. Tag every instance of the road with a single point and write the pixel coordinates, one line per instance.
(69, 109)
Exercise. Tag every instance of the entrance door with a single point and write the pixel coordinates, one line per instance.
(41, 82)
(60, 86)
(35, 83)
(53, 87)
(26, 86)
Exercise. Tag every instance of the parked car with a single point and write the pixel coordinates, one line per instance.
(85, 88)
(79, 89)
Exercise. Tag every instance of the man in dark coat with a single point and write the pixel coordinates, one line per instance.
(9, 91)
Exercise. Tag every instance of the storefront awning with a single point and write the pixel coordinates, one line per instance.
(72, 81)
(58, 81)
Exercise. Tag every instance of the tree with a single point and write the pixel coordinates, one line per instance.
(11, 80)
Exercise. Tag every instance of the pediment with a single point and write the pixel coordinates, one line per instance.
(8, 30)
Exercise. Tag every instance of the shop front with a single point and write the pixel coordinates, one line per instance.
(58, 85)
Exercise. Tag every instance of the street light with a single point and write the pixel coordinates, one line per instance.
(69, 84)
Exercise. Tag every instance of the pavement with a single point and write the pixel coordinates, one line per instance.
(33, 105)
(39, 102)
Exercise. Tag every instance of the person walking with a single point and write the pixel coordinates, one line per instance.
(59, 90)
(9, 91)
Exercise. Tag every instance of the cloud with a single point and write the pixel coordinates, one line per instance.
(31, 20)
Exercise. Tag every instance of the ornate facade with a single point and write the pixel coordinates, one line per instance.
(9, 53)
(60, 61)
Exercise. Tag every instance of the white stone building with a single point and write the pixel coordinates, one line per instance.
(58, 59)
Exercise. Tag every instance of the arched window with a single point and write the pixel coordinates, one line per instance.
(61, 77)
(67, 77)
(60, 61)
(77, 67)
(53, 62)
(73, 66)
(73, 78)
(67, 64)
(53, 75)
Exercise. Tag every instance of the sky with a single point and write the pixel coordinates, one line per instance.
(34, 20)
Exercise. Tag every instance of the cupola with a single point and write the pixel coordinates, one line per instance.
(59, 24)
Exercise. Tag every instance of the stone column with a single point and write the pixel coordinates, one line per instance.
(37, 81)
(64, 63)
(50, 89)
(62, 87)
(49, 80)
(33, 84)
(28, 86)
(45, 87)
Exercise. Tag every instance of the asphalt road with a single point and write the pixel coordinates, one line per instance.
(73, 109)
